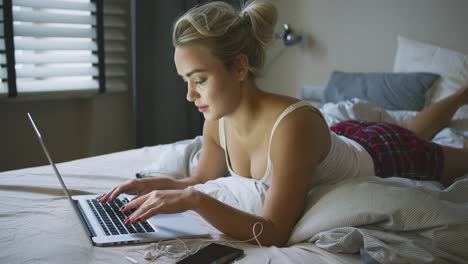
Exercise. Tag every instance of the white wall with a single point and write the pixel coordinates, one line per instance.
(357, 35)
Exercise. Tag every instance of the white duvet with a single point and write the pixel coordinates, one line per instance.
(391, 220)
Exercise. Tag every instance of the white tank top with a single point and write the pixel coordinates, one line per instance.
(346, 157)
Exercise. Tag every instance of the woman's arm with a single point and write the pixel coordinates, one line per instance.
(299, 142)
(212, 163)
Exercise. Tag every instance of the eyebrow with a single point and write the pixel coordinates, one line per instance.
(194, 71)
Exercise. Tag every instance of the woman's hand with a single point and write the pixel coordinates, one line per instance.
(136, 187)
(160, 202)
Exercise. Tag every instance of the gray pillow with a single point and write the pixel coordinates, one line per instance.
(392, 91)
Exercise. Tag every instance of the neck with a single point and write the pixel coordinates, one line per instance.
(247, 112)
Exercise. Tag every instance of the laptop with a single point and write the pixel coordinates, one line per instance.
(103, 222)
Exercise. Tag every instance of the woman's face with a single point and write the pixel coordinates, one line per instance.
(214, 89)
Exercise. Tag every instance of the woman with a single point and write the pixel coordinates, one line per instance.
(279, 141)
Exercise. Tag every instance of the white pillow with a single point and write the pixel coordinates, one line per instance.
(452, 66)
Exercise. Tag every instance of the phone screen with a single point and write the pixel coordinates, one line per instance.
(213, 253)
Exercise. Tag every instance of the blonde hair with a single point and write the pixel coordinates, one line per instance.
(229, 32)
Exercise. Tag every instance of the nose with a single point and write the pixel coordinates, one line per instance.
(192, 93)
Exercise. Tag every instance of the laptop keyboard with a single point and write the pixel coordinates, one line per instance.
(111, 219)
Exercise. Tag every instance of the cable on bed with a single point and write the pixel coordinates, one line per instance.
(177, 249)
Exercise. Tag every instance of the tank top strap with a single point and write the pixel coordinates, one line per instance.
(286, 111)
(222, 136)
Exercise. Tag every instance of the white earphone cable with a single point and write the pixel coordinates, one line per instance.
(166, 248)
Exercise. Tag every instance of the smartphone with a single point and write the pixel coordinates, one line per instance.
(213, 254)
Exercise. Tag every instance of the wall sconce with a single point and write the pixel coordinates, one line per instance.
(288, 36)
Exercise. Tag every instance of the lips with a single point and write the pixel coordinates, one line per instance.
(202, 108)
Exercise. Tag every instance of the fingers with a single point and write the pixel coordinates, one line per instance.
(104, 198)
(149, 213)
(135, 203)
(117, 192)
(147, 206)
(158, 202)
(110, 196)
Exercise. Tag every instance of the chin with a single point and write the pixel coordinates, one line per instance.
(211, 117)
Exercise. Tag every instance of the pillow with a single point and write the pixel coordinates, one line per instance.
(392, 91)
(452, 66)
(313, 94)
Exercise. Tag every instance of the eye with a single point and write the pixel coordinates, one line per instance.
(201, 81)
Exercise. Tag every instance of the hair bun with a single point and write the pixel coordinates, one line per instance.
(262, 16)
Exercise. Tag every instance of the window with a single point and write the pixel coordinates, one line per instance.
(116, 43)
(3, 70)
(61, 45)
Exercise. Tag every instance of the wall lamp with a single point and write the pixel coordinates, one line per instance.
(288, 36)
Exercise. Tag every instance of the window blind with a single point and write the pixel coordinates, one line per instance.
(64, 45)
(116, 43)
(3, 70)
(56, 45)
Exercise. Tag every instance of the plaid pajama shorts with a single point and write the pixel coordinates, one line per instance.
(396, 151)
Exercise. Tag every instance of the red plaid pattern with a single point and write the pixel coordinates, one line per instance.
(396, 151)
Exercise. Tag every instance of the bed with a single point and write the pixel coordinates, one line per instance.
(40, 226)
(368, 220)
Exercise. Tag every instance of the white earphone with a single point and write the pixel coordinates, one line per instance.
(148, 255)
(164, 248)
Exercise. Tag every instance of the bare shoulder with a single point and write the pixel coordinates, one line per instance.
(303, 120)
(212, 163)
(305, 123)
(211, 132)
(304, 128)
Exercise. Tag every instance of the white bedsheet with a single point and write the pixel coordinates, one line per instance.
(38, 225)
(392, 220)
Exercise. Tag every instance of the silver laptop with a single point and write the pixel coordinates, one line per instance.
(103, 222)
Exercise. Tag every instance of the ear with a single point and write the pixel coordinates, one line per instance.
(242, 67)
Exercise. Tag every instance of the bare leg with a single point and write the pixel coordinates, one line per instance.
(427, 123)
(455, 164)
